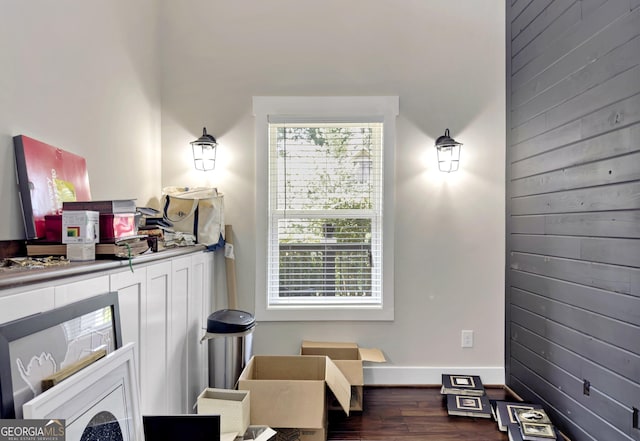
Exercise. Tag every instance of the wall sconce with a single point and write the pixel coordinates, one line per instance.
(448, 153)
(204, 151)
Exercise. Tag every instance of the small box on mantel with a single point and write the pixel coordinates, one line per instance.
(81, 252)
(233, 406)
(112, 227)
(80, 227)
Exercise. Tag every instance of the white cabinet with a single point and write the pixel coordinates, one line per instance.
(131, 288)
(200, 304)
(16, 305)
(189, 306)
(177, 327)
(171, 300)
(80, 289)
(31, 299)
(163, 306)
(154, 323)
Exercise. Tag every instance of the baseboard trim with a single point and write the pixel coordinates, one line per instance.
(418, 375)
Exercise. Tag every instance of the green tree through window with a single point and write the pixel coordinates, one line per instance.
(325, 195)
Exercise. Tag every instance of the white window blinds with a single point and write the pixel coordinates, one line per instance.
(325, 205)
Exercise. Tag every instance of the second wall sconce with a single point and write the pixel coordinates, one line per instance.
(448, 153)
(204, 151)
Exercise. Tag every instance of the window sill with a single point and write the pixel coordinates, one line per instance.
(329, 313)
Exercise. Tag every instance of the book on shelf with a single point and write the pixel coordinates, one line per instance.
(462, 385)
(115, 206)
(123, 248)
(468, 405)
(515, 434)
(159, 222)
(505, 412)
(46, 249)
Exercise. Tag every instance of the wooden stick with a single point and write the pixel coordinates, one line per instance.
(53, 379)
(230, 265)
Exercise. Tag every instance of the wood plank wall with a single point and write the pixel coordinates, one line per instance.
(573, 212)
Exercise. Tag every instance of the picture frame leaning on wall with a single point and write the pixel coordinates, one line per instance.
(99, 402)
(35, 347)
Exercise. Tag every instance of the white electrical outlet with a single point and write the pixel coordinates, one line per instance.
(467, 339)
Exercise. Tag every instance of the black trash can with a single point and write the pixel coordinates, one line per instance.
(230, 335)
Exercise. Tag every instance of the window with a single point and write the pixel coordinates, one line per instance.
(324, 178)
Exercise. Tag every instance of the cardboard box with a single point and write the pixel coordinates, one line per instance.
(117, 226)
(349, 358)
(80, 227)
(112, 227)
(232, 406)
(302, 434)
(290, 391)
(81, 252)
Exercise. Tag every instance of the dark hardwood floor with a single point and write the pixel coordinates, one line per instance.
(412, 414)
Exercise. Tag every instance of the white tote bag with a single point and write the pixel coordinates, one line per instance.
(198, 211)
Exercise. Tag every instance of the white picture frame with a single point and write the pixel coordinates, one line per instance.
(102, 396)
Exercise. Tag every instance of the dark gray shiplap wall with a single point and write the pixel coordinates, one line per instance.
(573, 212)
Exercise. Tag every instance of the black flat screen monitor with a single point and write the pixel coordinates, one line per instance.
(181, 427)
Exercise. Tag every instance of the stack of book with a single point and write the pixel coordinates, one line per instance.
(122, 248)
(465, 396)
(117, 217)
(117, 225)
(532, 425)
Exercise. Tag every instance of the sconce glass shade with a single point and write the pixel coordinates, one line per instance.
(448, 153)
(204, 151)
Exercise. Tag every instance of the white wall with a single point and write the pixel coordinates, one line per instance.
(445, 60)
(86, 77)
(82, 76)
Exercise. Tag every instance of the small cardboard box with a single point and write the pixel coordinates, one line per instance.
(111, 227)
(81, 252)
(349, 358)
(232, 406)
(80, 227)
(117, 226)
(290, 390)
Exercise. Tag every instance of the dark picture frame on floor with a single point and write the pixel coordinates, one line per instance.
(35, 347)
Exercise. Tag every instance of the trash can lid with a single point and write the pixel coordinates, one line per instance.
(229, 321)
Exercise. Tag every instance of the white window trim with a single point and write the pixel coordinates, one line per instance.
(264, 107)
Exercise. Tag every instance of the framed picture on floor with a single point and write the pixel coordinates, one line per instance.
(99, 402)
(36, 347)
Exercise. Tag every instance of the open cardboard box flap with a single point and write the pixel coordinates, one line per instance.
(372, 354)
(349, 358)
(338, 384)
(346, 355)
